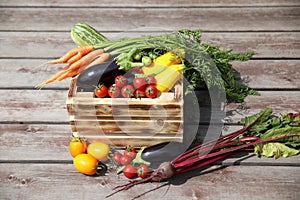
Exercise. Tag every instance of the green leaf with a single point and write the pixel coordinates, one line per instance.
(285, 131)
(275, 150)
(259, 118)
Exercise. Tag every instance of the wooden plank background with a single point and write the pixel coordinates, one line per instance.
(34, 129)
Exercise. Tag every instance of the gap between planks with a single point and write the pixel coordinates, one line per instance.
(153, 3)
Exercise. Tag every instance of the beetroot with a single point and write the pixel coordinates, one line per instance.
(261, 128)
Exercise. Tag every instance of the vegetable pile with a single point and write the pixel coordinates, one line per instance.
(201, 64)
(146, 66)
(158, 75)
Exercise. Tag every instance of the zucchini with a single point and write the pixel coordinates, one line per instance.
(83, 35)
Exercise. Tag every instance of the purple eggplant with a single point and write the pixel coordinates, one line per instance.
(104, 73)
(159, 153)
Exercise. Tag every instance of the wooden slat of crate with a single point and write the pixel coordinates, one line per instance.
(110, 127)
(165, 106)
(125, 121)
(122, 141)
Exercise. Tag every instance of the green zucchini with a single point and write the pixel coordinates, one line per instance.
(83, 35)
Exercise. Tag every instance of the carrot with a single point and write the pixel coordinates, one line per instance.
(66, 67)
(76, 67)
(67, 74)
(74, 58)
(51, 80)
(83, 49)
(101, 59)
(86, 59)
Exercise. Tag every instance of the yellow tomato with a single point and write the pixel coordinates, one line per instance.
(85, 164)
(98, 150)
(77, 147)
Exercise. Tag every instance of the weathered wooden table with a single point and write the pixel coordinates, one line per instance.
(34, 158)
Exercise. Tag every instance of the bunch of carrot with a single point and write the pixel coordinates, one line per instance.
(77, 59)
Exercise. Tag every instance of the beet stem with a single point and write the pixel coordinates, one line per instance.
(202, 164)
(190, 162)
(210, 144)
(220, 140)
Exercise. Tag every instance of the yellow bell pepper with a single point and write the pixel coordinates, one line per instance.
(167, 78)
(169, 58)
(161, 62)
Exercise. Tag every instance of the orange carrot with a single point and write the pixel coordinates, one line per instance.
(51, 80)
(86, 59)
(66, 67)
(67, 74)
(74, 58)
(83, 49)
(76, 67)
(101, 59)
(70, 73)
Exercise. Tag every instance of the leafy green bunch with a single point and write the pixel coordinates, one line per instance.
(205, 64)
(285, 127)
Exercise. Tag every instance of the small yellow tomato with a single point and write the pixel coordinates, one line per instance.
(77, 146)
(98, 150)
(85, 163)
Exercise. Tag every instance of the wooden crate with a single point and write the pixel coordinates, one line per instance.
(125, 121)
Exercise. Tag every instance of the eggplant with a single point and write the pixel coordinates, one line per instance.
(104, 73)
(162, 152)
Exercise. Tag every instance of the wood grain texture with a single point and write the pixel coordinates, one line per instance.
(153, 3)
(209, 19)
(48, 143)
(54, 44)
(34, 125)
(269, 74)
(32, 181)
(258, 74)
(35, 142)
(34, 105)
(29, 105)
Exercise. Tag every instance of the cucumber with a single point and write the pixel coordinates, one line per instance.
(83, 35)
